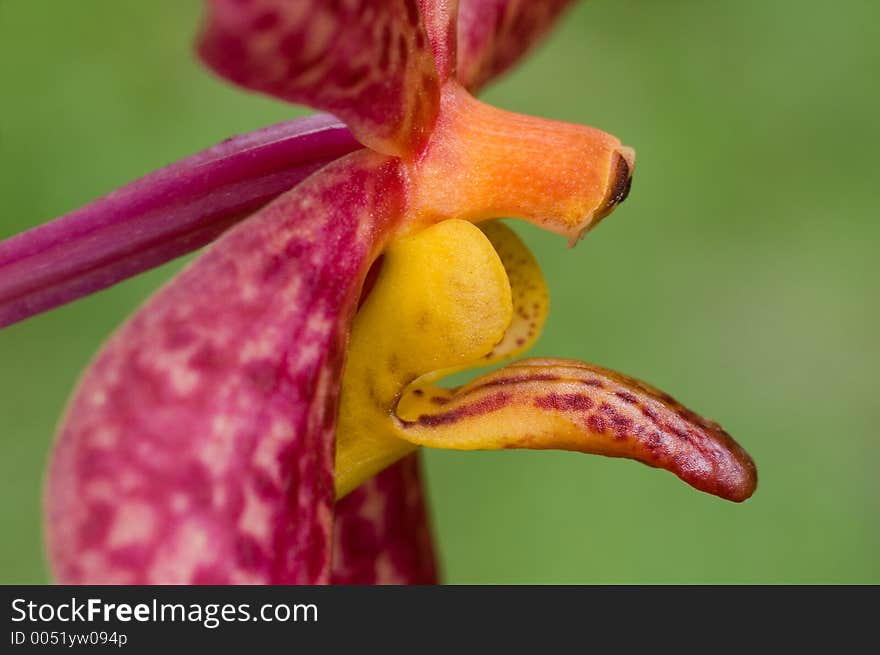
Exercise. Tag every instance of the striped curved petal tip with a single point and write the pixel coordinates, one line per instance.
(569, 405)
(462, 297)
(198, 448)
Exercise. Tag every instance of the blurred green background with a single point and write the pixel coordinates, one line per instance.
(741, 275)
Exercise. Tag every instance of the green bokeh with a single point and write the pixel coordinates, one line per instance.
(741, 275)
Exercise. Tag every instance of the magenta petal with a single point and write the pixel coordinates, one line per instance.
(368, 62)
(383, 533)
(198, 447)
(440, 18)
(494, 34)
(166, 214)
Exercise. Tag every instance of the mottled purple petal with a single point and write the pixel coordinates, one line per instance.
(383, 531)
(168, 213)
(198, 447)
(367, 61)
(440, 18)
(494, 34)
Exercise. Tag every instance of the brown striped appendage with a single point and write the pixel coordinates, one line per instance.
(569, 405)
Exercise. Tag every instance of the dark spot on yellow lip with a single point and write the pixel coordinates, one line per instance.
(485, 405)
(618, 189)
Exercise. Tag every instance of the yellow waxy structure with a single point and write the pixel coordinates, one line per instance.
(443, 302)
(452, 297)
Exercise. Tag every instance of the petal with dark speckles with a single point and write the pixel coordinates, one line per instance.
(198, 448)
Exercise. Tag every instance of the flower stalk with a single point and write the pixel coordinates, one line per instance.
(164, 215)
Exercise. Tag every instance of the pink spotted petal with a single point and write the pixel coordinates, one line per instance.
(440, 18)
(494, 34)
(198, 447)
(383, 531)
(367, 61)
(168, 213)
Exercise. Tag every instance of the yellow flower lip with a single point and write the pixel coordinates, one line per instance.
(560, 404)
(451, 297)
(441, 302)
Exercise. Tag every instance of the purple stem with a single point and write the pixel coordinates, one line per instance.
(168, 213)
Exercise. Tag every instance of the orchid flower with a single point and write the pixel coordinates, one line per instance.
(259, 419)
